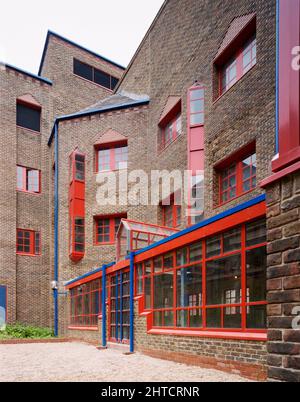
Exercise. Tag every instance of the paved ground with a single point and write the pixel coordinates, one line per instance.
(80, 362)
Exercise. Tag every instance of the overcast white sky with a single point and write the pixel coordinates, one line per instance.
(112, 28)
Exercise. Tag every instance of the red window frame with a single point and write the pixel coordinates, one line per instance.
(113, 155)
(169, 264)
(79, 317)
(28, 242)
(239, 63)
(112, 223)
(171, 215)
(235, 173)
(196, 106)
(23, 180)
(170, 132)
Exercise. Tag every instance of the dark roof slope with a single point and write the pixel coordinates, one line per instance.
(121, 99)
(51, 33)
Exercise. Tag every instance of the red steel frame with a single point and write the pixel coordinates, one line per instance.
(32, 244)
(74, 319)
(24, 177)
(248, 215)
(238, 61)
(244, 305)
(239, 181)
(110, 311)
(175, 213)
(76, 205)
(289, 84)
(195, 143)
(112, 225)
(112, 149)
(163, 143)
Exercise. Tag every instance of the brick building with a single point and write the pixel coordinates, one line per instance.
(207, 275)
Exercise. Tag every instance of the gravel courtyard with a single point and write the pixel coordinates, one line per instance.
(80, 362)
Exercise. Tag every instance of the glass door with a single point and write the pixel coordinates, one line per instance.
(119, 307)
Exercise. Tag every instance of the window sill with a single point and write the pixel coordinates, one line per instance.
(28, 129)
(104, 244)
(247, 336)
(233, 199)
(111, 171)
(94, 83)
(71, 328)
(28, 192)
(29, 255)
(233, 86)
(160, 151)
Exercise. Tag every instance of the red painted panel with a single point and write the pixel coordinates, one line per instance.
(197, 138)
(289, 85)
(76, 207)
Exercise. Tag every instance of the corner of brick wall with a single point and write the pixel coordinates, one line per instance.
(283, 283)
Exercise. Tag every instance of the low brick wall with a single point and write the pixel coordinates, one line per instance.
(246, 358)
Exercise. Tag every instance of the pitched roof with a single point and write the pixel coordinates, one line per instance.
(119, 99)
(51, 33)
(237, 25)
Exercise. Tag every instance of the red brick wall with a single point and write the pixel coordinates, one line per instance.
(283, 200)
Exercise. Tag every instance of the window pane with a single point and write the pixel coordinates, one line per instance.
(222, 275)
(257, 317)
(232, 240)
(213, 318)
(197, 106)
(158, 264)
(181, 256)
(163, 291)
(256, 274)
(256, 233)
(33, 181)
(83, 70)
(213, 246)
(102, 78)
(148, 293)
(196, 252)
(189, 287)
(197, 94)
(114, 82)
(197, 119)
(28, 117)
(233, 320)
(20, 181)
(169, 261)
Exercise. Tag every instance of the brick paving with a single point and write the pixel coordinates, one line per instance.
(77, 362)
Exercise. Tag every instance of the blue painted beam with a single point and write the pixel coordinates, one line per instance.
(131, 336)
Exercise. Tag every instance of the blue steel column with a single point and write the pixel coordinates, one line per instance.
(117, 307)
(104, 341)
(56, 207)
(121, 306)
(131, 303)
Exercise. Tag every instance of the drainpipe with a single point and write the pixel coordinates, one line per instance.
(131, 302)
(56, 206)
(104, 341)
